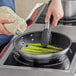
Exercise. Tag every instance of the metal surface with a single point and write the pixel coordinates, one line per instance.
(69, 7)
(27, 71)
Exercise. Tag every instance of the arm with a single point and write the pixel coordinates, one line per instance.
(55, 9)
(2, 28)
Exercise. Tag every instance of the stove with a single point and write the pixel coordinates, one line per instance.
(62, 62)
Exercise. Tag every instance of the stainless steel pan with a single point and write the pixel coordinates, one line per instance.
(58, 40)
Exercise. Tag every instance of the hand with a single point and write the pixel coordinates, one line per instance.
(2, 28)
(55, 9)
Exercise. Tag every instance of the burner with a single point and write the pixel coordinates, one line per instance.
(62, 63)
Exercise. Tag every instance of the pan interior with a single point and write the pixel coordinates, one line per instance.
(58, 40)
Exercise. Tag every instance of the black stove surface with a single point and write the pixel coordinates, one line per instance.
(63, 63)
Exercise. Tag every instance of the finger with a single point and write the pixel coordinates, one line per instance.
(5, 21)
(47, 18)
(55, 20)
(3, 30)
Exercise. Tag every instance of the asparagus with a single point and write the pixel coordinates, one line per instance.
(37, 49)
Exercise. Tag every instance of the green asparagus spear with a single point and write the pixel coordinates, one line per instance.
(37, 49)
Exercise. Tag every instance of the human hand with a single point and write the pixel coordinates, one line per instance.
(55, 9)
(3, 30)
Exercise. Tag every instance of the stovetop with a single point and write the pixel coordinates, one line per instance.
(15, 60)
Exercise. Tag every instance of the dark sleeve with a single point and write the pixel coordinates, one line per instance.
(9, 3)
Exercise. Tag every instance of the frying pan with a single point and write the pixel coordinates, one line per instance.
(58, 40)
